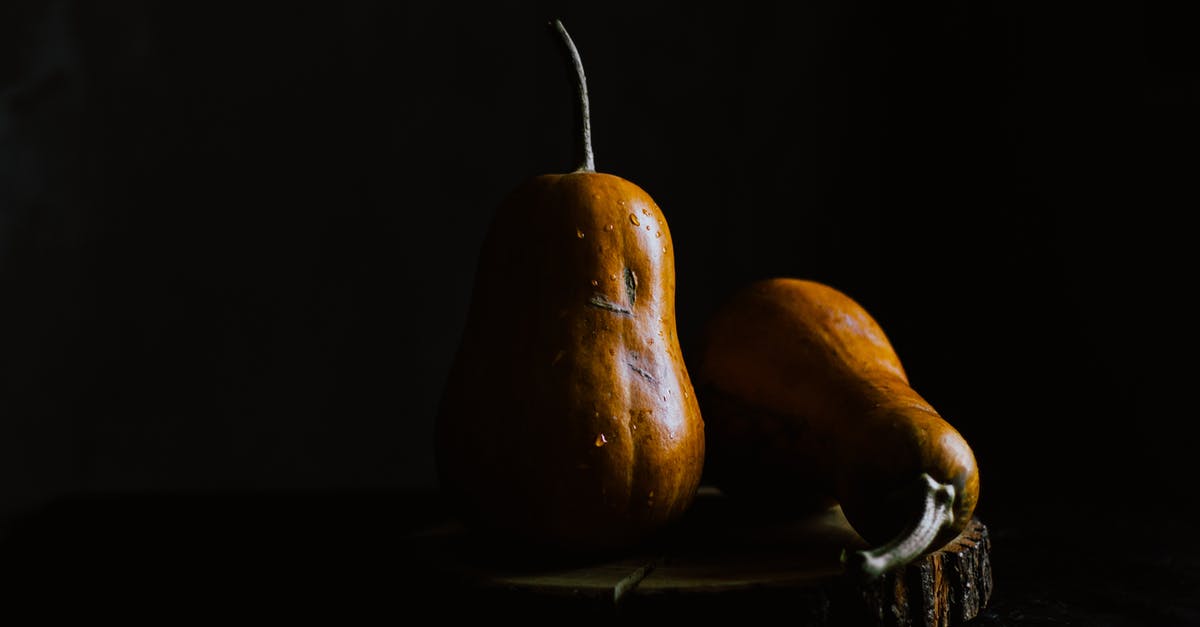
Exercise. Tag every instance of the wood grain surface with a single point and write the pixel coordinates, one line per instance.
(723, 560)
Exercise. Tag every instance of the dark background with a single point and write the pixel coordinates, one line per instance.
(237, 240)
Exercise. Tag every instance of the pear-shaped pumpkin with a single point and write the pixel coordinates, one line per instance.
(568, 420)
(806, 401)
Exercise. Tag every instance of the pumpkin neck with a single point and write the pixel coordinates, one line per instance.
(583, 121)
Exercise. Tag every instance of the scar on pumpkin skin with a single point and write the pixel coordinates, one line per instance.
(600, 302)
(643, 372)
(631, 283)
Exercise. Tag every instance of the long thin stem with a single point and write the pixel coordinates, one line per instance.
(937, 511)
(587, 162)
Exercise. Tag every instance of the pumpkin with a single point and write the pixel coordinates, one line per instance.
(568, 420)
(806, 401)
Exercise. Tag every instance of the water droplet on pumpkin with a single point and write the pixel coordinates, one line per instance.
(650, 341)
(612, 351)
(612, 277)
(658, 234)
(634, 219)
(608, 227)
(595, 283)
(645, 211)
(647, 227)
(601, 440)
(579, 233)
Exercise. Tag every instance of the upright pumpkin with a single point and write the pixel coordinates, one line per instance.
(806, 401)
(568, 420)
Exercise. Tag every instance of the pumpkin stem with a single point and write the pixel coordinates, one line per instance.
(587, 162)
(936, 512)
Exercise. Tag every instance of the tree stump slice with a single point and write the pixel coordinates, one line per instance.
(722, 561)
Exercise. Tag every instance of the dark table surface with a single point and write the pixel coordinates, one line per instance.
(348, 554)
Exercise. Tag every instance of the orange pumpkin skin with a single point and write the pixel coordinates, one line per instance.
(805, 398)
(569, 420)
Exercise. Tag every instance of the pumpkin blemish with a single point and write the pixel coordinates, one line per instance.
(600, 302)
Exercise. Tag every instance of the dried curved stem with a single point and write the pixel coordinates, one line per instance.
(587, 162)
(937, 511)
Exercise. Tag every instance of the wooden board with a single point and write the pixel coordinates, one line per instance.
(722, 562)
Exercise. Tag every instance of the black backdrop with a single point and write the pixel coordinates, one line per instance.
(236, 241)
